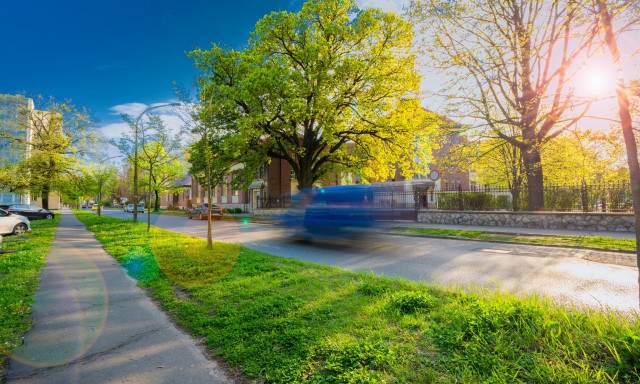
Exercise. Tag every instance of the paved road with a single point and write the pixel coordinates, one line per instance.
(92, 324)
(565, 274)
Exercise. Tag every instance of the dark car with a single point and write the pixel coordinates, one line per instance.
(29, 211)
(201, 210)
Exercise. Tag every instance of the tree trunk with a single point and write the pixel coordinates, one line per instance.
(157, 205)
(206, 151)
(626, 123)
(515, 198)
(45, 196)
(99, 198)
(535, 181)
(148, 201)
(305, 179)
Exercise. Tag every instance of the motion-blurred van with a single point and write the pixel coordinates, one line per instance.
(350, 211)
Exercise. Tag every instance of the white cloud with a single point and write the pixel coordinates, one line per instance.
(386, 5)
(115, 130)
(170, 119)
(131, 109)
(172, 122)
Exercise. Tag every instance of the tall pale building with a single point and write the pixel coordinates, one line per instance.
(14, 119)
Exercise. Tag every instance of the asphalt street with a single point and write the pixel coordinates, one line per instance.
(567, 275)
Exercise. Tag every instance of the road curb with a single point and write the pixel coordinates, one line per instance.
(512, 242)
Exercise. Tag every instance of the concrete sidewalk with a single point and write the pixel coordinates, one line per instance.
(92, 324)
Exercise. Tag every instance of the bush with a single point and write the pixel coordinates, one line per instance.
(448, 201)
(478, 201)
(562, 199)
(471, 201)
(173, 208)
(503, 202)
(620, 200)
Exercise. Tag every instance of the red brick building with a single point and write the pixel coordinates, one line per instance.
(275, 183)
(272, 187)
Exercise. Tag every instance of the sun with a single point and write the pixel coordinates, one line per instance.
(596, 80)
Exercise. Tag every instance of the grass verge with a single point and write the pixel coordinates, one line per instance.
(575, 241)
(237, 217)
(285, 321)
(171, 213)
(19, 273)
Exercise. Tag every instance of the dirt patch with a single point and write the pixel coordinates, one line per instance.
(622, 259)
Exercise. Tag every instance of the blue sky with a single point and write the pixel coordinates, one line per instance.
(116, 56)
(121, 56)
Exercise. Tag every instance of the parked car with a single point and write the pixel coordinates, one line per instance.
(94, 207)
(129, 208)
(201, 210)
(31, 212)
(12, 224)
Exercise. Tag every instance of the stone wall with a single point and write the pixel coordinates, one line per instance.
(554, 220)
(270, 211)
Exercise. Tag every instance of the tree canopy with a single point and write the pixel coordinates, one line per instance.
(329, 89)
(59, 133)
(510, 65)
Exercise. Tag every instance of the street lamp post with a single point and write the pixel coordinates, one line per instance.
(135, 158)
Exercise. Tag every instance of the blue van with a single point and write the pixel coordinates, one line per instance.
(348, 211)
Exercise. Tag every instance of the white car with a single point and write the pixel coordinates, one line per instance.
(13, 224)
(129, 208)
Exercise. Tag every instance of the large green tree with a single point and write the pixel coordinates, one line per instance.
(59, 134)
(510, 65)
(329, 89)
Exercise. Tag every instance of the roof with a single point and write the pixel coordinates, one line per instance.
(187, 181)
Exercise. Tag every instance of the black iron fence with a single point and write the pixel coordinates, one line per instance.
(273, 202)
(610, 198)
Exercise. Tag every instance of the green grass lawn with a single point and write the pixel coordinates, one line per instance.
(576, 241)
(285, 321)
(19, 274)
(171, 213)
(226, 216)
